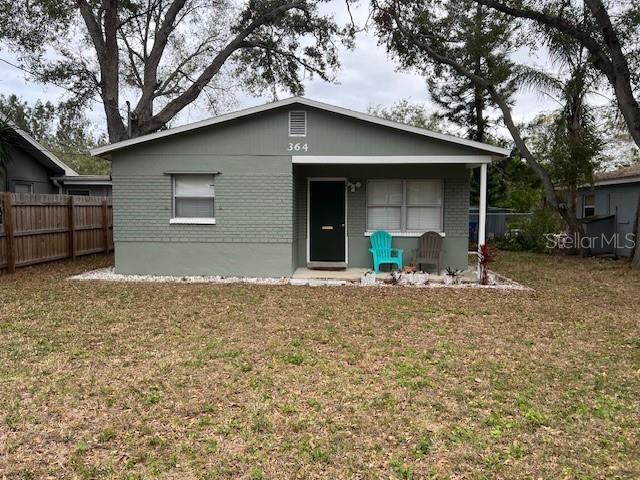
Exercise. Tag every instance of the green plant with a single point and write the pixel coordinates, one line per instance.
(256, 473)
(423, 446)
(7, 135)
(453, 272)
(294, 358)
(530, 234)
(402, 470)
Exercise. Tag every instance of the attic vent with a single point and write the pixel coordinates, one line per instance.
(298, 124)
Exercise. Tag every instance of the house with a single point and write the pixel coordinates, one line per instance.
(34, 169)
(609, 208)
(294, 183)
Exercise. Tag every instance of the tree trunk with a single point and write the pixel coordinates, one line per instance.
(478, 91)
(635, 251)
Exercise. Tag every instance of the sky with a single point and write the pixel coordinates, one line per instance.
(367, 77)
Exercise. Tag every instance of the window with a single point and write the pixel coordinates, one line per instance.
(78, 191)
(193, 198)
(22, 187)
(588, 205)
(298, 124)
(404, 205)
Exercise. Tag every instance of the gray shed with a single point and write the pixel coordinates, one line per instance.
(609, 208)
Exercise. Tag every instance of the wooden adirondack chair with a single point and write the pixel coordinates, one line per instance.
(429, 250)
(382, 252)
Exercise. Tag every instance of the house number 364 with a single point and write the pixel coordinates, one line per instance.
(296, 147)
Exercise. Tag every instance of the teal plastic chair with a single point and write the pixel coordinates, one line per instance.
(382, 251)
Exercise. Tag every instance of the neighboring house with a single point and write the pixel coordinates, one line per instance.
(290, 184)
(609, 207)
(33, 169)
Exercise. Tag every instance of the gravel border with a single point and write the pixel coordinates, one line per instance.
(109, 275)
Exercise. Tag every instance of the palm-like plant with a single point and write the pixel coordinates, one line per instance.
(7, 135)
(572, 147)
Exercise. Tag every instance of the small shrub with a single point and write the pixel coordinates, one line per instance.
(530, 233)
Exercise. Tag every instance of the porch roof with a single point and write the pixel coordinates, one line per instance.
(468, 160)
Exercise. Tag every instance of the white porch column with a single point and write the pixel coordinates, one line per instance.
(482, 211)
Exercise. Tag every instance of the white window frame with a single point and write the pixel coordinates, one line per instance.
(191, 220)
(404, 207)
(304, 112)
(591, 205)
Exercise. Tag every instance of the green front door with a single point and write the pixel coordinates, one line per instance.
(327, 221)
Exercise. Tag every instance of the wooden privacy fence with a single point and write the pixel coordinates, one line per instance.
(36, 228)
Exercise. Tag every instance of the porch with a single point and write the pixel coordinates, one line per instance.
(337, 206)
(312, 276)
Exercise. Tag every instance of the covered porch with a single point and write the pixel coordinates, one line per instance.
(338, 202)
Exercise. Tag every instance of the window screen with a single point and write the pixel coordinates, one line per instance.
(589, 206)
(193, 196)
(404, 205)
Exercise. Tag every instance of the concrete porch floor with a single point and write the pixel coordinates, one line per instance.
(347, 274)
(354, 275)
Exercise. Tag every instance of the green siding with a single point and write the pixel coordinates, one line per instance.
(266, 134)
(260, 229)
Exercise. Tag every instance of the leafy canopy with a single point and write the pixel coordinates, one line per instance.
(163, 56)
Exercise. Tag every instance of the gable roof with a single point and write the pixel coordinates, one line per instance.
(41, 154)
(498, 151)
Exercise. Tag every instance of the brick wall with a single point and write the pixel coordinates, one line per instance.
(249, 208)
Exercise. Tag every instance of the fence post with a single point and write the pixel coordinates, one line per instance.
(72, 228)
(9, 232)
(105, 226)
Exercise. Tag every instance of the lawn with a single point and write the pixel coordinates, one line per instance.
(104, 380)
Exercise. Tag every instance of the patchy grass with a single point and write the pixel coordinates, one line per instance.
(126, 381)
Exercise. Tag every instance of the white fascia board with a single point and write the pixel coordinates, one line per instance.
(389, 159)
(503, 152)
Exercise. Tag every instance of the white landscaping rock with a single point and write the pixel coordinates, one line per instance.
(109, 275)
(415, 280)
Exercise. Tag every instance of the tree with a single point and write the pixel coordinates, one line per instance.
(62, 129)
(415, 32)
(482, 43)
(6, 140)
(568, 141)
(410, 114)
(166, 54)
(608, 32)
